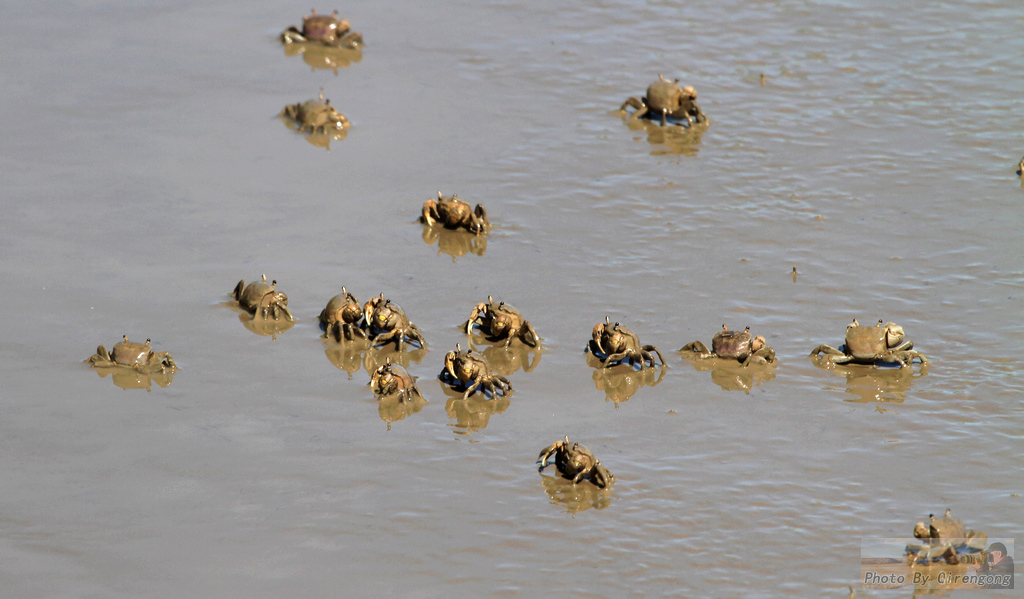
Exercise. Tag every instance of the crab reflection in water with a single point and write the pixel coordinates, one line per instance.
(575, 498)
(506, 361)
(621, 382)
(127, 378)
(684, 141)
(351, 355)
(394, 407)
(318, 56)
(730, 375)
(263, 327)
(474, 413)
(455, 243)
(868, 384)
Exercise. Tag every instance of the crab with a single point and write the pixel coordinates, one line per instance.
(391, 379)
(137, 356)
(665, 98)
(872, 345)
(323, 29)
(575, 462)
(263, 300)
(735, 345)
(616, 343)
(343, 317)
(944, 538)
(387, 321)
(453, 213)
(461, 367)
(316, 117)
(502, 321)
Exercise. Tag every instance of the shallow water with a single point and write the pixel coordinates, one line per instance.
(145, 174)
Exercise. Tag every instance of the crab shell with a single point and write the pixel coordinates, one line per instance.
(391, 378)
(342, 308)
(324, 28)
(732, 344)
(666, 94)
(941, 529)
(130, 353)
(864, 343)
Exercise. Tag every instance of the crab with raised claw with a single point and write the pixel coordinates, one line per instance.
(944, 538)
(575, 462)
(262, 300)
(391, 379)
(872, 345)
(470, 370)
(666, 99)
(316, 117)
(343, 317)
(328, 30)
(137, 356)
(453, 213)
(735, 345)
(502, 321)
(616, 343)
(387, 321)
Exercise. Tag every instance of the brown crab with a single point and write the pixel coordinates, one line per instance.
(612, 343)
(462, 367)
(501, 321)
(262, 300)
(137, 356)
(872, 345)
(575, 462)
(391, 379)
(316, 117)
(328, 30)
(453, 213)
(666, 99)
(734, 345)
(387, 321)
(944, 538)
(343, 317)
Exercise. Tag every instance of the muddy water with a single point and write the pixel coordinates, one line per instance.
(145, 174)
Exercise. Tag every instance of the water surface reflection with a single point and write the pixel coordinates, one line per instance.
(575, 498)
(874, 383)
(622, 381)
(454, 242)
(471, 414)
(730, 375)
(319, 56)
(129, 378)
(670, 139)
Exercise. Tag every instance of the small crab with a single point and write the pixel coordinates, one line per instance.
(736, 345)
(343, 317)
(327, 30)
(502, 321)
(262, 300)
(316, 117)
(666, 99)
(393, 379)
(616, 343)
(387, 321)
(453, 213)
(137, 356)
(461, 367)
(575, 462)
(944, 538)
(871, 345)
